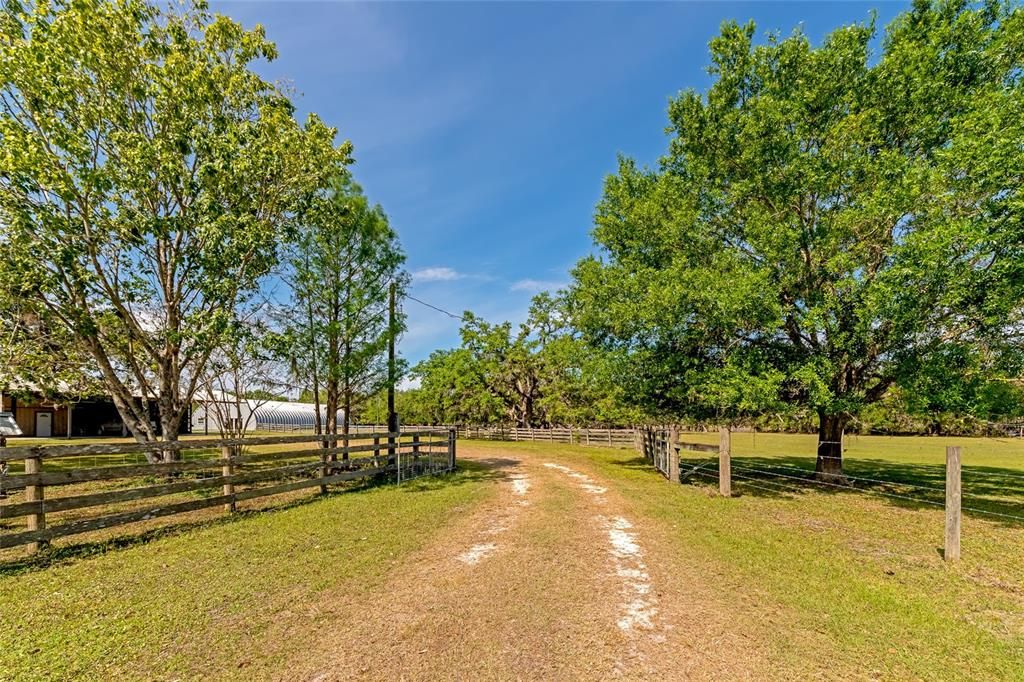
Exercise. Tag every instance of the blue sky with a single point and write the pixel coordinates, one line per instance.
(485, 130)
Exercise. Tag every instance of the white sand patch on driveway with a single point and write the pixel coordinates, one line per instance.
(586, 482)
(639, 606)
(521, 486)
(476, 553)
(503, 520)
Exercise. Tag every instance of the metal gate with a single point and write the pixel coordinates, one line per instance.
(658, 448)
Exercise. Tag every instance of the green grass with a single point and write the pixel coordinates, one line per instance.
(845, 583)
(178, 603)
(905, 470)
(977, 452)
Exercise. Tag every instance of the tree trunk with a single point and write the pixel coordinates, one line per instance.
(332, 413)
(829, 465)
(345, 419)
(170, 425)
(317, 425)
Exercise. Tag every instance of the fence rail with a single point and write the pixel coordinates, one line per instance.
(613, 438)
(228, 466)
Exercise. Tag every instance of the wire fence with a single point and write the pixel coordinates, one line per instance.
(982, 492)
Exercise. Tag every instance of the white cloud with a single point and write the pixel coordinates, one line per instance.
(408, 383)
(535, 286)
(436, 275)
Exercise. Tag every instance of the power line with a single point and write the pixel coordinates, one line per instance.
(434, 307)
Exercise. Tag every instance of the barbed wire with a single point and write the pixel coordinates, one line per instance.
(860, 478)
(867, 491)
(781, 487)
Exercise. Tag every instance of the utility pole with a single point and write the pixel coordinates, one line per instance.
(392, 415)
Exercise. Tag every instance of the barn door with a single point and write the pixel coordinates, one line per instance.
(44, 424)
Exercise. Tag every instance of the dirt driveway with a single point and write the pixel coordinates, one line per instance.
(555, 578)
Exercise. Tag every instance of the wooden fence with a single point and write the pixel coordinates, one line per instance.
(610, 438)
(229, 467)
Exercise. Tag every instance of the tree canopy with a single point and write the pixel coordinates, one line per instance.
(146, 176)
(341, 265)
(826, 221)
(539, 373)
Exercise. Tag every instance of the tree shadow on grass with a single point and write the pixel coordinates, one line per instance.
(475, 471)
(992, 493)
(57, 555)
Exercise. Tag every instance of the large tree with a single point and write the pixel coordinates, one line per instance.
(146, 175)
(452, 391)
(826, 220)
(342, 264)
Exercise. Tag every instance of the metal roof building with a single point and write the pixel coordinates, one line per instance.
(256, 415)
(273, 414)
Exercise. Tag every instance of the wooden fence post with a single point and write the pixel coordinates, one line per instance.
(725, 461)
(34, 493)
(3, 466)
(228, 469)
(952, 552)
(451, 450)
(376, 451)
(673, 455)
(323, 464)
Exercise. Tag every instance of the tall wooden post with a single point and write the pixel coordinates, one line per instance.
(34, 493)
(952, 552)
(228, 469)
(451, 448)
(392, 374)
(324, 471)
(673, 455)
(725, 461)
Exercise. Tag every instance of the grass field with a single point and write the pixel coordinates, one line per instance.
(904, 470)
(160, 604)
(829, 583)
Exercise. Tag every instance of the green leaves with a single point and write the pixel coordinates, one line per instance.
(341, 260)
(541, 374)
(824, 222)
(146, 175)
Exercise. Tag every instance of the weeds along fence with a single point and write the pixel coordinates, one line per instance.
(610, 438)
(956, 489)
(70, 489)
